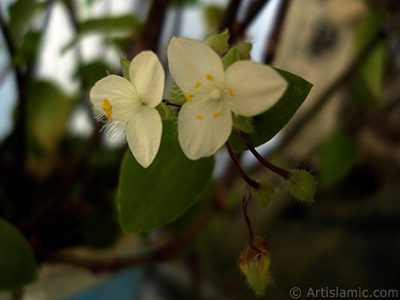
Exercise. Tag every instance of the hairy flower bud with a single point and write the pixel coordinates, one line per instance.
(254, 263)
(301, 184)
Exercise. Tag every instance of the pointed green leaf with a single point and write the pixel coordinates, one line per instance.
(110, 24)
(150, 198)
(269, 123)
(17, 262)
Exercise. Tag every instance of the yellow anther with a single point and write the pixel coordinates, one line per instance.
(188, 97)
(218, 113)
(107, 107)
(197, 84)
(230, 92)
(199, 117)
(209, 77)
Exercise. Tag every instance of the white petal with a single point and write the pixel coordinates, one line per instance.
(121, 95)
(203, 127)
(147, 75)
(191, 62)
(144, 135)
(255, 87)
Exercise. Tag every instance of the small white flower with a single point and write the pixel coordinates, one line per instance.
(129, 105)
(246, 88)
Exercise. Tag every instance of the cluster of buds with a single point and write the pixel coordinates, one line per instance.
(254, 263)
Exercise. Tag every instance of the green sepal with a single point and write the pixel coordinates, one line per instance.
(239, 52)
(301, 184)
(164, 111)
(263, 193)
(125, 64)
(219, 43)
(245, 124)
(176, 95)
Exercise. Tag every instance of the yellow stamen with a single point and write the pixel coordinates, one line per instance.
(197, 84)
(199, 117)
(230, 92)
(217, 114)
(209, 77)
(107, 107)
(188, 97)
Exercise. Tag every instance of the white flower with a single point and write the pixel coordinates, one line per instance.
(129, 105)
(246, 88)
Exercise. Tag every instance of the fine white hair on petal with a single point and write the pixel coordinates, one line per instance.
(115, 129)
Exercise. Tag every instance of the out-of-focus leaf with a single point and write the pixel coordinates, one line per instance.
(48, 112)
(127, 23)
(93, 72)
(338, 156)
(184, 2)
(22, 13)
(17, 262)
(149, 198)
(27, 53)
(213, 15)
(269, 123)
(373, 68)
(100, 229)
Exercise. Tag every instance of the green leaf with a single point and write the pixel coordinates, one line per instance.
(49, 110)
(219, 43)
(338, 156)
(150, 198)
(17, 262)
(125, 65)
(269, 123)
(28, 51)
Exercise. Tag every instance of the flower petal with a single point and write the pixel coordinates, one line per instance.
(115, 97)
(203, 127)
(144, 134)
(193, 64)
(254, 87)
(147, 75)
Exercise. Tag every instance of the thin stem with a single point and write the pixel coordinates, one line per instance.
(272, 167)
(242, 173)
(167, 102)
(252, 12)
(245, 202)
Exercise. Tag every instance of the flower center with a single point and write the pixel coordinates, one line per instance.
(215, 94)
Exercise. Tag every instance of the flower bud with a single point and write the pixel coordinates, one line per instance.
(263, 193)
(254, 263)
(301, 184)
